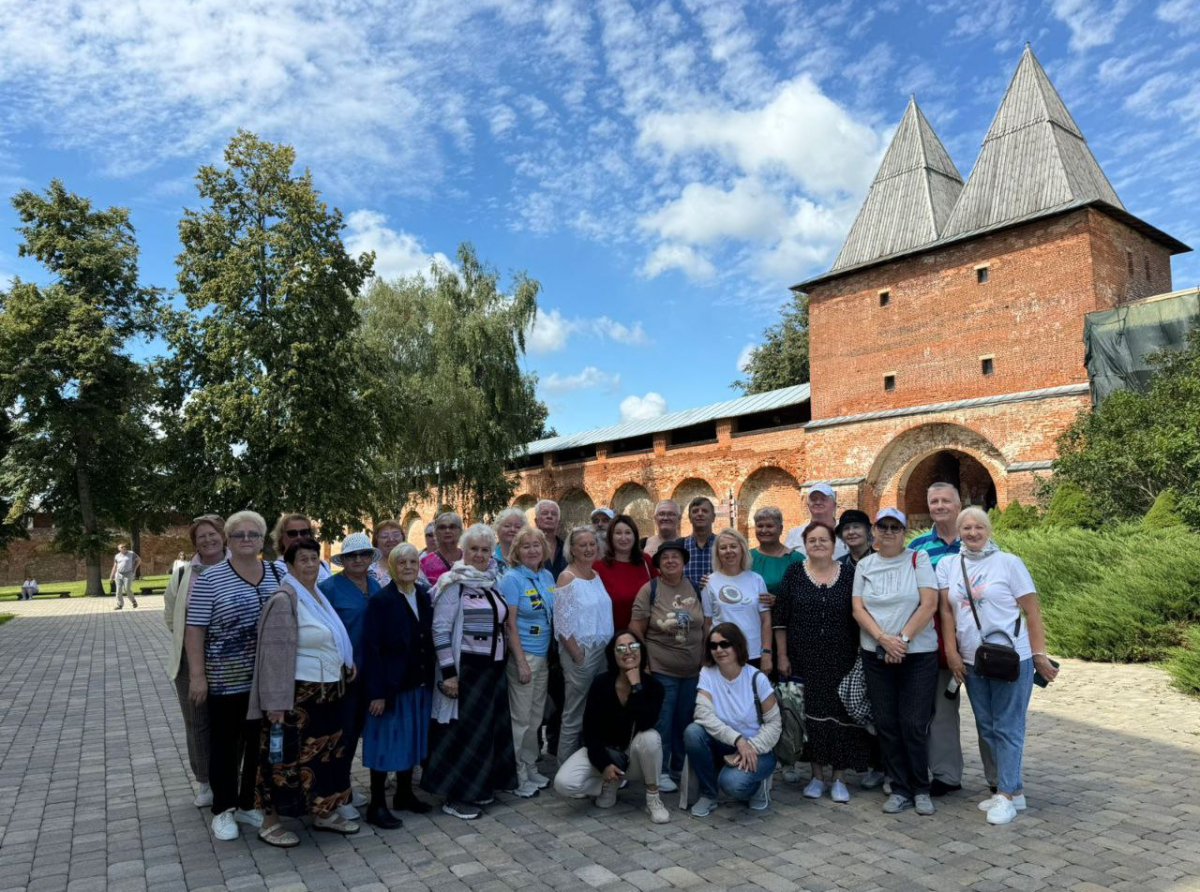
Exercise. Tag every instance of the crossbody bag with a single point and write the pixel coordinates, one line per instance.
(1000, 662)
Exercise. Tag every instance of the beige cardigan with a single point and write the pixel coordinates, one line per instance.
(175, 601)
(274, 685)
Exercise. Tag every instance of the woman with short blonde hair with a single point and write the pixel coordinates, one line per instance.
(736, 594)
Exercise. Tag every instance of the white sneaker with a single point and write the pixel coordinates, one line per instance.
(656, 810)
(1002, 812)
(359, 799)
(253, 817)
(871, 780)
(608, 795)
(791, 774)
(538, 779)
(1017, 801)
(815, 788)
(224, 826)
(761, 799)
(703, 807)
(349, 812)
(665, 784)
(840, 793)
(204, 797)
(526, 789)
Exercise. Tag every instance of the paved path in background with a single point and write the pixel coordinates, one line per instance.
(95, 795)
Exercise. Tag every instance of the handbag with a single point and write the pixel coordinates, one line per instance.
(852, 691)
(1000, 662)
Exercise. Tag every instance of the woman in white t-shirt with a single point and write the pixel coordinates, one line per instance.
(730, 744)
(1000, 587)
(736, 594)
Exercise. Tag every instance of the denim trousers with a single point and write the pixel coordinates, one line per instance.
(678, 709)
(705, 755)
(902, 703)
(999, 708)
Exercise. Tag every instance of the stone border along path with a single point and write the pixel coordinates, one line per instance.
(95, 795)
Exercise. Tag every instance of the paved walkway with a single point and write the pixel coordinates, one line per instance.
(94, 795)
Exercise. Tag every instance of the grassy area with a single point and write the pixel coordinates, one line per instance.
(5, 617)
(11, 592)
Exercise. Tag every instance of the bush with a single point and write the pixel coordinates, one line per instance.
(1184, 663)
(1015, 517)
(1164, 513)
(1070, 506)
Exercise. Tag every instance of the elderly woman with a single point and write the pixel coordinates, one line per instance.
(292, 528)
(983, 593)
(207, 533)
(668, 617)
(619, 740)
(398, 674)
(584, 625)
(447, 530)
(624, 569)
(528, 590)
(221, 641)
(817, 639)
(303, 659)
(895, 596)
(735, 594)
(731, 744)
(854, 530)
(508, 523)
(385, 537)
(771, 558)
(472, 752)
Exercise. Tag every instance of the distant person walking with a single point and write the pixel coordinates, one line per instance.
(125, 566)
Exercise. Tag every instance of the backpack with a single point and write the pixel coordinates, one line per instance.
(654, 590)
(789, 697)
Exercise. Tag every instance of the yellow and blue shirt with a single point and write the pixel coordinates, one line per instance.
(531, 594)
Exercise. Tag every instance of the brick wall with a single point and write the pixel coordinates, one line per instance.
(38, 556)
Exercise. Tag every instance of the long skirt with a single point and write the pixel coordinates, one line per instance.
(472, 757)
(398, 739)
(311, 778)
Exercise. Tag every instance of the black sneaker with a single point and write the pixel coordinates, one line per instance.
(939, 788)
(463, 810)
(379, 816)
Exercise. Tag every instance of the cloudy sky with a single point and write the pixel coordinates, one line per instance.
(665, 168)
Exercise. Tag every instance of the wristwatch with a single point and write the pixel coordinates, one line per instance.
(905, 638)
(767, 651)
(635, 688)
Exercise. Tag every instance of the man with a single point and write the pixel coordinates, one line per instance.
(822, 506)
(666, 521)
(945, 747)
(124, 568)
(602, 519)
(701, 513)
(546, 517)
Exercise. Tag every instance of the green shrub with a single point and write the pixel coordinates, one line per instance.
(1184, 663)
(1016, 517)
(1070, 506)
(1164, 513)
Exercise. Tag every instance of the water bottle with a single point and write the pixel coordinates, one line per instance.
(276, 743)
(951, 691)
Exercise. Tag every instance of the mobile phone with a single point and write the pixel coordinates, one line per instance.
(1037, 676)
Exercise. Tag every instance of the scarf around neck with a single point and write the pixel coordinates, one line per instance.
(988, 550)
(321, 609)
(466, 575)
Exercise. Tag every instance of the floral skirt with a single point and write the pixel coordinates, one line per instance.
(311, 779)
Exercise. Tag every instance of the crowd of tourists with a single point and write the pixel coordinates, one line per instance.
(464, 667)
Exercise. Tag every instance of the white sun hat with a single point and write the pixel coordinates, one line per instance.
(357, 542)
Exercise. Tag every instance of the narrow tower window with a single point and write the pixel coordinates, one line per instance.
(987, 365)
(889, 382)
(981, 274)
(885, 298)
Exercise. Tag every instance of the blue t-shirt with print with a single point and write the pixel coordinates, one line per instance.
(532, 594)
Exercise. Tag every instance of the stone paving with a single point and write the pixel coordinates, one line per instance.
(95, 795)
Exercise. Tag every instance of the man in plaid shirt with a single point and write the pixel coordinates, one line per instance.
(699, 545)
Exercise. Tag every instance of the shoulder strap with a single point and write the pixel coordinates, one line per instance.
(962, 563)
(914, 558)
(653, 591)
(179, 576)
(754, 689)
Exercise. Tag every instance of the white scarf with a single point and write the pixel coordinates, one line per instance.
(320, 608)
(989, 548)
(467, 575)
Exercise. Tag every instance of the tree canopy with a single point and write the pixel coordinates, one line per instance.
(781, 360)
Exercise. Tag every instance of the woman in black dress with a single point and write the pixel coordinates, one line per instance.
(817, 639)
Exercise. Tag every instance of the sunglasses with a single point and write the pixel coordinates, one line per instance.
(623, 649)
(305, 533)
(246, 535)
(357, 555)
(720, 645)
(889, 528)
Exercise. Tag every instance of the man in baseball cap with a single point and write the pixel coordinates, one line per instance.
(601, 518)
(822, 506)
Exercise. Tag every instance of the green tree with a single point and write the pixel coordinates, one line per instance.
(269, 408)
(782, 358)
(1016, 517)
(1070, 506)
(67, 385)
(456, 407)
(1164, 513)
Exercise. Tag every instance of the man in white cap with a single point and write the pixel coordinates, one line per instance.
(602, 518)
(822, 506)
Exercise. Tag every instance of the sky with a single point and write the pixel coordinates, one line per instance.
(665, 169)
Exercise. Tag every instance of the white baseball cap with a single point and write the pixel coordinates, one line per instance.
(824, 489)
(894, 514)
(607, 512)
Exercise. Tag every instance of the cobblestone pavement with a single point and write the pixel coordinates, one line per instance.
(95, 795)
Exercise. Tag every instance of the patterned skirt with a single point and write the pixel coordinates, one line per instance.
(472, 757)
(311, 779)
(398, 739)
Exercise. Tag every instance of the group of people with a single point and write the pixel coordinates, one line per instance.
(29, 589)
(621, 657)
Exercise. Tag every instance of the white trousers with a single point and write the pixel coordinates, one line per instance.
(577, 681)
(578, 777)
(526, 703)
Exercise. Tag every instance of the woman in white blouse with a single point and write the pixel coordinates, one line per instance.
(584, 625)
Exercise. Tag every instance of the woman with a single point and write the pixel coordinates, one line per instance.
(528, 590)
(895, 596)
(207, 533)
(771, 558)
(730, 745)
(303, 659)
(471, 755)
(508, 523)
(221, 641)
(619, 740)
(292, 528)
(398, 675)
(447, 530)
(854, 529)
(584, 625)
(1000, 589)
(348, 593)
(624, 568)
(817, 639)
(386, 536)
(734, 594)
(430, 541)
(667, 615)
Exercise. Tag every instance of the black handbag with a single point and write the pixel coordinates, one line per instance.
(1000, 662)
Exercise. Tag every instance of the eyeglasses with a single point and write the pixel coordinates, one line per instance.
(305, 533)
(390, 534)
(447, 526)
(720, 645)
(246, 535)
(358, 555)
(623, 649)
(889, 528)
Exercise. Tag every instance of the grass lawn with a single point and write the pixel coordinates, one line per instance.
(5, 617)
(12, 592)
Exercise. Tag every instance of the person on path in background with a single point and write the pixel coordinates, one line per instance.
(124, 568)
(701, 513)
(624, 569)
(822, 506)
(666, 526)
(180, 561)
(736, 594)
(289, 529)
(600, 519)
(447, 530)
(508, 523)
(771, 558)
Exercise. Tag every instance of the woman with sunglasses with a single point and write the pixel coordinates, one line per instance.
(894, 599)
(290, 529)
(619, 740)
(730, 744)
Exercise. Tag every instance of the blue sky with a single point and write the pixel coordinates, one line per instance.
(665, 169)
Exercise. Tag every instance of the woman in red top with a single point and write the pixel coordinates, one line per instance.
(624, 569)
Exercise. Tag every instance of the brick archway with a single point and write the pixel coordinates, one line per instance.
(691, 488)
(770, 486)
(414, 529)
(526, 503)
(636, 501)
(576, 507)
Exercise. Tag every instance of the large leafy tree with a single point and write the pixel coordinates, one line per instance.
(67, 385)
(269, 405)
(782, 358)
(454, 403)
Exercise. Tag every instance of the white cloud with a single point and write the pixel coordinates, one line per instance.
(1183, 14)
(397, 253)
(643, 408)
(672, 255)
(704, 214)
(630, 336)
(745, 356)
(590, 378)
(1092, 23)
(552, 330)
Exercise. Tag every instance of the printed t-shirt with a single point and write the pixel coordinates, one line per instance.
(623, 580)
(434, 565)
(772, 568)
(733, 701)
(996, 582)
(888, 588)
(228, 606)
(532, 594)
(675, 628)
(735, 599)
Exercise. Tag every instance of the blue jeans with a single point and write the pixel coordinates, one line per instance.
(999, 708)
(679, 706)
(704, 755)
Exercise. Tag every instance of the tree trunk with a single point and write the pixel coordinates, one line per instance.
(135, 543)
(91, 527)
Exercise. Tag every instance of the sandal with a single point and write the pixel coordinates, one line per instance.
(336, 824)
(279, 836)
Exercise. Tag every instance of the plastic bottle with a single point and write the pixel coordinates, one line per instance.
(276, 753)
